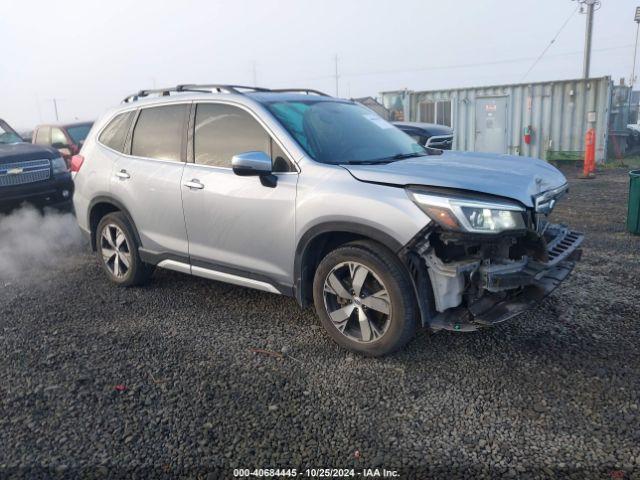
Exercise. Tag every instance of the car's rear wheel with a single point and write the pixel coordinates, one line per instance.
(364, 298)
(117, 251)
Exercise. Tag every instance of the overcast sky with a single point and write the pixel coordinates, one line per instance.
(90, 54)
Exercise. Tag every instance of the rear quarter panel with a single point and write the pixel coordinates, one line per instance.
(93, 179)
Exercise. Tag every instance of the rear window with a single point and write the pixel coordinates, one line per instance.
(158, 133)
(78, 133)
(115, 134)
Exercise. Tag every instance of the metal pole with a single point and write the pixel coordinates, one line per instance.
(55, 107)
(587, 39)
(633, 71)
(336, 61)
(635, 50)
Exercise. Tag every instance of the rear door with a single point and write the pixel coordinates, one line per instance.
(235, 224)
(147, 182)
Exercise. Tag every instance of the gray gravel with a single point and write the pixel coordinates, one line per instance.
(161, 380)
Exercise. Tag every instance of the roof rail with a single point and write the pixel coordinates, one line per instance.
(210, 88)
(308, 91)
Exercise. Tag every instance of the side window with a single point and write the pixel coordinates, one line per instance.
(58, 138)
(158, 133)
(279, 159)
(222, 131)
(42, 136)
(115, 133)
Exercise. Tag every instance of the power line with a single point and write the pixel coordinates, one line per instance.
(461, 65)
(550, 43)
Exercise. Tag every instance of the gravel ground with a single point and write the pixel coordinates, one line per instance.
(555, 392)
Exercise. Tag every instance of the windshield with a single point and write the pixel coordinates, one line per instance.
(341, 132)
(8, 136)
(79, 132)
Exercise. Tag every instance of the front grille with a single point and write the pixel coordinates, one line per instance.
(442, 142)
(19, 173)
(561, 243)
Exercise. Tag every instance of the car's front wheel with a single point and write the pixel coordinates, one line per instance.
(364, 298)
(117, 251)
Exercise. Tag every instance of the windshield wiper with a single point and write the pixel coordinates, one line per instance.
(380, 161)
(402, 156)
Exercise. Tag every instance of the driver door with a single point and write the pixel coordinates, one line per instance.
(236, 225)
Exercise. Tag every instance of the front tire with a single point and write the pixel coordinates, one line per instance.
(364, 298)
(117, 251)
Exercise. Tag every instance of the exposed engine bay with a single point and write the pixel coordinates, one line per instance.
(478, 280)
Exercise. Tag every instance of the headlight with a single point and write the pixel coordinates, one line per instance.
(469, 215)
(58, 165)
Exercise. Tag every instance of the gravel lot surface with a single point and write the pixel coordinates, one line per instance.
(161, 380)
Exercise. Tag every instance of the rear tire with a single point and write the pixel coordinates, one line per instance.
(117, 251)
(364, 298)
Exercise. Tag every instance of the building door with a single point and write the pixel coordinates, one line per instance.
(491, 125)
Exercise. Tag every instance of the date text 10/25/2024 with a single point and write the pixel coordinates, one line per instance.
(315, 472)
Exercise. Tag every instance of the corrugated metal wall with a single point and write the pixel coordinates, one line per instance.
(557, 112)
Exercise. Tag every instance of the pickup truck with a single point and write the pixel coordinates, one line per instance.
(31, 174)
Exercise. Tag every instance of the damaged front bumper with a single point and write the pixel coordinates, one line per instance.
(499, 279)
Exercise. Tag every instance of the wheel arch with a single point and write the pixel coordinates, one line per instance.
(319, 240)
(101, 206)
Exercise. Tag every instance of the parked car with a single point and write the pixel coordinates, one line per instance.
(302, 194)
(27, 135)
(31, 173)
(67, 138)
(428, 134)
(633, 135)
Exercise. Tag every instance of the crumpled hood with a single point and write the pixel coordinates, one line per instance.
(519, 178)
(20, 152)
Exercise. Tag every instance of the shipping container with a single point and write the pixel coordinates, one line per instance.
(547, 120)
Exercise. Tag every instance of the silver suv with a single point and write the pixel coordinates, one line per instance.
(297, 193)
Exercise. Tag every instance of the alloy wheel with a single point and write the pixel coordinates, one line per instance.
(357, 302)
(115, 250)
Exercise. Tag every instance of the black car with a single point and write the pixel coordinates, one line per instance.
(428, 134)
(31, 173)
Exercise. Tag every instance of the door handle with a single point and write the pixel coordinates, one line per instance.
(195, 183)
(123, 174)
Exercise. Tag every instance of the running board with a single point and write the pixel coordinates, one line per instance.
(217, 275)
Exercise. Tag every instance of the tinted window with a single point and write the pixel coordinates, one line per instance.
(115, 134)
(158, 133)
(78, 133)
(221, 131)
(58, 137)
(42, 136)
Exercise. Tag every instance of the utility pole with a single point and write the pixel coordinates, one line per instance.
(633, 70)
(336, 74)
(635, 49)
(587, 36)
(55, 108)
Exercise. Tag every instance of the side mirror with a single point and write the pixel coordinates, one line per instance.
(256, 164)
(251, 164)
(59, 145)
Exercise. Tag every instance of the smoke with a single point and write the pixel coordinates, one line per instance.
(31, 240)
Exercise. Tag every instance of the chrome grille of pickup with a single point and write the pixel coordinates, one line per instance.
(19, 173)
